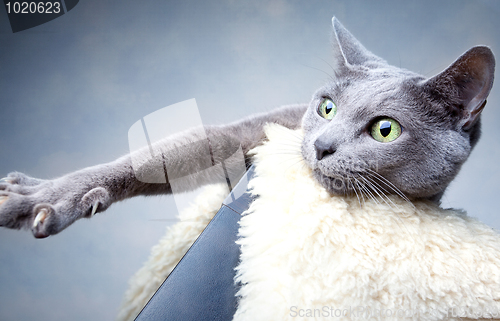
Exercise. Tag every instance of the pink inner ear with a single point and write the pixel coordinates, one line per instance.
(472, 115)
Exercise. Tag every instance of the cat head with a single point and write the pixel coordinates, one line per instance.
(376, 128)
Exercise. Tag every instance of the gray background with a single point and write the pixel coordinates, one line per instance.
(71, 88)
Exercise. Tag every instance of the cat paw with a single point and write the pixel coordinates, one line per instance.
(46, 207)
(20, 179)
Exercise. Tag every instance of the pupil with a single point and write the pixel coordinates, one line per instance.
(328, 107)
(385, 128)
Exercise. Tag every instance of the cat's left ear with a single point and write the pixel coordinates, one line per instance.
(467, 83)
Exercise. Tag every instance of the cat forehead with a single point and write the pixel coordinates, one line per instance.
(369, 94)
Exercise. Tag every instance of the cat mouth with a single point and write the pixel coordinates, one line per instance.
(346, 176)
(336, 184)
(368, 184)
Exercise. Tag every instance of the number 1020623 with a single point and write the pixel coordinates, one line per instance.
(33, 7)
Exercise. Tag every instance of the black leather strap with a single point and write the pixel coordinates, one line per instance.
(201, 287)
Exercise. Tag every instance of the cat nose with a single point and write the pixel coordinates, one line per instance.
(323, 149)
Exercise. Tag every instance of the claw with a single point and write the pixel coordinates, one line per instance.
(94, 208)
(3, 198)
(40, 217)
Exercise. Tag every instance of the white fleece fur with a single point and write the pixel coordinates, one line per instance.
(308, 255)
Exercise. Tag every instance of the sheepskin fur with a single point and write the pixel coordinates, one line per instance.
(309, 255)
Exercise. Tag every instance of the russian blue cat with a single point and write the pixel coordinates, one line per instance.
(373, 128)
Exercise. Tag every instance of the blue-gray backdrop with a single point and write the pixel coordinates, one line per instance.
(71, 88)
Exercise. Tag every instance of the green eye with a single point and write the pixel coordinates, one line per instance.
(327, 109)
(386, 130)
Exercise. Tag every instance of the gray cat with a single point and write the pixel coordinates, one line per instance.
(374, 129)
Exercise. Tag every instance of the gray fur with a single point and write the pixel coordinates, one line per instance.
(440, 119)
(73, 196)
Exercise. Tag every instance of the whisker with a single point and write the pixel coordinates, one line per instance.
(329, 65)
(385, 192)
(324, 61)
(295, 144)
(369, 184)
(399, 218)
(318, 70)
(290, 161)
(373, 180)
(354, 189)
(381, 192)
(296, 134)
(375, 190)
(404, 225)
(359, 188)
(293, 147)
(285, 152)
(390, 185)
(290, 166)
(296, 137)
(289, 151)
(293, 133)
(367, 190)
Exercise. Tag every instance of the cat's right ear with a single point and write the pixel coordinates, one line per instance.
(467, 84)
(349, 52)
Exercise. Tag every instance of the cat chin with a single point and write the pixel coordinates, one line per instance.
(334, 185)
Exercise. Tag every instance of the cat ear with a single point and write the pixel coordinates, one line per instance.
(467, 83)
(349, 51)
